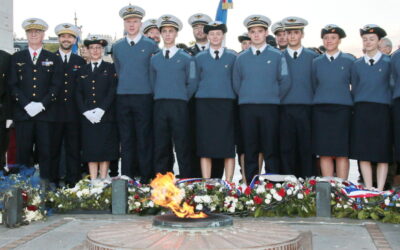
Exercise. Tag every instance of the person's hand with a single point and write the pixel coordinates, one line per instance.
(90, 116)
(37, 107)
(8, 123)
(30, 109)
(98, 113)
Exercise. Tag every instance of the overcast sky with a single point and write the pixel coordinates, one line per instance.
(101, 16)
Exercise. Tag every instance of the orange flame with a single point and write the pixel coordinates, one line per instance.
(166, 194)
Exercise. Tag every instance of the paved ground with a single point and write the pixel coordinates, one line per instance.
(69, 232)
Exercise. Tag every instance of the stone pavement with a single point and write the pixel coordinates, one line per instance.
(69, 232)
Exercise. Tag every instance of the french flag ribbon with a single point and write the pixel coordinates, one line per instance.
(229, 186)
(256, 177)
(354, 192)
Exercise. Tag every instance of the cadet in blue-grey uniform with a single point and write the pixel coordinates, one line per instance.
(371, 134)
(34, 81)
(396, 107)
(66, 129)
(150, 29)
(173, 76)
(95, 95)
(295, 117)
(260, 79)
(245, 41)
(280, 35)
(215, 102)
(332, 104)
(131, 56)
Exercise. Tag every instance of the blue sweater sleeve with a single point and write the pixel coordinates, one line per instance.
(236, 77)
(284, 78)
(115, 60)
(152, 75)
(314, 78)
(191, 77)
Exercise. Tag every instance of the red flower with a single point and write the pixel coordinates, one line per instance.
(269, 185)
(307, 191)
(312, 182)
(136, 196)
(257, 183)
(247, 191)
(236, 196)
(257, 200)
(32, 208)
(209, 187)
(282, 192)
(290, 185)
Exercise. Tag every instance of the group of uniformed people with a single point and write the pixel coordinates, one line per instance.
(283, 105)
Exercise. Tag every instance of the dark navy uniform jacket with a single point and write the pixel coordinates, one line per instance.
(38, 82)
(67, 110)
(97, 90)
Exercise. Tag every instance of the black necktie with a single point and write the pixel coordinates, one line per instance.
(371, 62)
(167, 54)
(95, 66)
(65, 59)
(132, 43)
(202, 48)
(258, 52)
(216, 54)
(332, 58)
(295, 55)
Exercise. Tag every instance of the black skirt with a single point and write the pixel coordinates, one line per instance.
(396, 125)
(99, 141)
(331, 126)
(215, 135)
(371, 133)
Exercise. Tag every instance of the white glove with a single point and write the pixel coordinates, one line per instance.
(37, 108)
(8, 123)
(30, 109)
(98, 114)
(90, 116)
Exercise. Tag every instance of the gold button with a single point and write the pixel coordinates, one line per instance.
(94, 101)
(33, 94)
(34, 86)
(34, 70)
(66, 83)
(94, 94)
(66, 91)
(93, 88)
(66, 74)
(65, 99)
(93, 81)
(34, 78)
(16, 99)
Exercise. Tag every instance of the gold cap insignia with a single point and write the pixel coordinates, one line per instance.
(67, 26)
(166, 18)
(292, 20)
(31, 21)
(198, 16)
(256, 18)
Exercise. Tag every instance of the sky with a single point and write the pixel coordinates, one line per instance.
(101, 16)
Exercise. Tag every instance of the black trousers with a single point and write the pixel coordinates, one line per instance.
(69, 133)
(35, 133)
(260, 130)
(171, 122)
(135, 125)
(3, 143)
(295, 140)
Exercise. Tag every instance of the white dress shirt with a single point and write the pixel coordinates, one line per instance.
(376, 58)
(261, 49)
(291, 51)
(172, 51)
(212, 52)
(31, 51)
(334, 55)
(63, 55)
(135, 40)
(98, 64)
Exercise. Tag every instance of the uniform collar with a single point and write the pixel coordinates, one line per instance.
(172, 51)
(63, 55)
(212, 52)
(291, 51)
(334, 55)
(376, 58)
(254, 49)
(98, 65)
(206, 46)
(135, 40)
(31, 51)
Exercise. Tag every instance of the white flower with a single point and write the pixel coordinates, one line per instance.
(137, 204)
(397, 205)
(338, 205)
(199, 207)
(260, 189)
(85, 192)
(181, 185)
(106, 201)
(231, 209)
(273, 191)
(250, 202)
(146, 189)
(268, 196)
(151, 204)
(206, 199)
(267, 201)
(277, 197)
(387, 201)
(345, 206)
(278, 185)
(289, 191)
(79, 194)
(60, 205)
(197, 199)
(212, 208)
(300, 196)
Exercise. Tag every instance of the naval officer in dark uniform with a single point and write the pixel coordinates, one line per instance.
(67, 128)
(5, 109)
(35, 78)
(95, 95)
